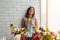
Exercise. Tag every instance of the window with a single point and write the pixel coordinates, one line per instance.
(43, 13)
(54, 15)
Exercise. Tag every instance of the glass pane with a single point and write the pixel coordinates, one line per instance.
(54, 15)
(43, 13)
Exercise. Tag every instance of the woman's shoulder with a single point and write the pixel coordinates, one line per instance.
(24, 18)
(34, 17)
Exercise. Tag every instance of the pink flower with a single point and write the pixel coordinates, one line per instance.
(14, 31)
(53, 33)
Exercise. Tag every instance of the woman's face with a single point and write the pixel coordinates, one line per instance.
(31, 11)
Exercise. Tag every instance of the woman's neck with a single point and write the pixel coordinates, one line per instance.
(30, 16)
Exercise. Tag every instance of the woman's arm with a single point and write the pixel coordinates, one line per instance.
(22, 22)
(36, 22)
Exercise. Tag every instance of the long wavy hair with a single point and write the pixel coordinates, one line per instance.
(27, 14)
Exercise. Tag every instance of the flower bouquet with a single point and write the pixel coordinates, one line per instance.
(46, 34)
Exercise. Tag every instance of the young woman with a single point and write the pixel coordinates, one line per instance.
(29, 21)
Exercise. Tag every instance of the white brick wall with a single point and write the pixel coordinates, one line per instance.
(11, 11)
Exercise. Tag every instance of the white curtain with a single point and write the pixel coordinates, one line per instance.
(54, 15)
(43, 13)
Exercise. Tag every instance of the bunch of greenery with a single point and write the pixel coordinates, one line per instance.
(25, 30)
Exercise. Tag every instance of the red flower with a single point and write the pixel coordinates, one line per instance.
(35, 36)
(23, 37)
(35, 33)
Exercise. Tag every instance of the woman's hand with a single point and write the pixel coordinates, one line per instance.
(27, 24)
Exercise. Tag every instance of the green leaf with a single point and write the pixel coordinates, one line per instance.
(35, 27)
(46, 37)
(29, 19)
(47, 30)
(12, 26)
